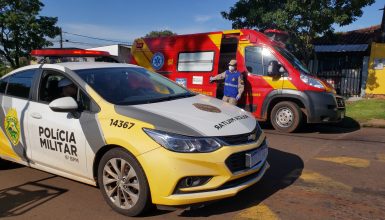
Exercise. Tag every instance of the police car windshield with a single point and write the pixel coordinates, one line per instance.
(132, 86)
(292, 59)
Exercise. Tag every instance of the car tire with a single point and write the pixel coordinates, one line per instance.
(123, 183)
(286, 116)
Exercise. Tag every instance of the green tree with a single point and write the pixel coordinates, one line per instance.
(4, 69)
(23, 30)
(161, 33)
(303, 19)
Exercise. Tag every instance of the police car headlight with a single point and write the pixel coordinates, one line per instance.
(311, 81)
(183, 144)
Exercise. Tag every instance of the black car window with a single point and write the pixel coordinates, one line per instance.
(3, 84)
(84, 102)
(49, 89)
(53, 86)
(19, 84)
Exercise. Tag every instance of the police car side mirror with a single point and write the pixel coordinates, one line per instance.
(273, 69)
(65, 104)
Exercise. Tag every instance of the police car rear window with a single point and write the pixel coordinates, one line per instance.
(19, 84)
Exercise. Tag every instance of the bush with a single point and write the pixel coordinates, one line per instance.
(4, 70)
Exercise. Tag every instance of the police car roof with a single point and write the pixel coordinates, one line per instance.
(74, 66)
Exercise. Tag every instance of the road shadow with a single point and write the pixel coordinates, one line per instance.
(154, 212)
(8, 165)
(18, 200)
(347, 125)
(285, 169)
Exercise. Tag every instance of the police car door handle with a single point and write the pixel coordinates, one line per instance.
(36, 115)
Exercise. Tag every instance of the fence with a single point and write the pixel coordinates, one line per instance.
(347, 82)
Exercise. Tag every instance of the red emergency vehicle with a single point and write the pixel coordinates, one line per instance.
(278, 87)
(277, 35)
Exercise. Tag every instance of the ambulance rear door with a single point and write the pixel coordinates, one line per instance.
(197, 58)
(228, 51)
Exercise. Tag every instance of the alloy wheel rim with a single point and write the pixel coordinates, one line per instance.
(121, 183)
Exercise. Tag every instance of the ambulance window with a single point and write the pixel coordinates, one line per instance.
(257, 60)
(3, 84)
(196, 62)
(19, 84)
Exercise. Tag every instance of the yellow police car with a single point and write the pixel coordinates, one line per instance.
(140, 137)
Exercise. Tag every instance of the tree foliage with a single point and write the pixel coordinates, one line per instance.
(161, 33)
(23, 30)
(303, 19)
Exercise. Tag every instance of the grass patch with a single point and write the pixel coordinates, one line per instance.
(366, 109)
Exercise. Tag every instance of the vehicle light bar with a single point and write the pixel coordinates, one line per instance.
(68, 52)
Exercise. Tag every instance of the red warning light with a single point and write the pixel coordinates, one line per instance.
(68, 53)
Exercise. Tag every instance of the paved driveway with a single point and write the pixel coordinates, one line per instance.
(319, 173)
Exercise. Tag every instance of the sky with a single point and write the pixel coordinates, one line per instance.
(124, 20)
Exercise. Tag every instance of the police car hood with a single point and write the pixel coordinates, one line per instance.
(194, 116)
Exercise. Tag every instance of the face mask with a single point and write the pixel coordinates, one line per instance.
(231, 68)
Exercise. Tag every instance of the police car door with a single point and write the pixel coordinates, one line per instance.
(15, 100)
(57, 139)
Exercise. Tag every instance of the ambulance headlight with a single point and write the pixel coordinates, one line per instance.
(183, 144)
(311, 81)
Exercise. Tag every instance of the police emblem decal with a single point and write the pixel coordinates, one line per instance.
(207, 108)
(12, 126)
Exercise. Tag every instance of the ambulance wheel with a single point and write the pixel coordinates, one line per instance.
(123, 183)
(286, 116)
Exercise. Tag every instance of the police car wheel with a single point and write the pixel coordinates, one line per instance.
(123, 183)
(286, 116)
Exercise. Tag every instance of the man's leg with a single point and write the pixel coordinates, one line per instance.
(225, 98)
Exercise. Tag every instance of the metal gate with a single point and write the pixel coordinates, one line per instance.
(347, 82)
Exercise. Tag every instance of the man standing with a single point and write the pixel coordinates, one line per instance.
(234, 84)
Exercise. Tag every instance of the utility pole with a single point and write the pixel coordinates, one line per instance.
(61, 38)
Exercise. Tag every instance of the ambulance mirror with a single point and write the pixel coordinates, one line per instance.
(273, 69)
(65, 104)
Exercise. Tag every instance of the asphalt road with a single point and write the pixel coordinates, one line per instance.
(320, 173)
